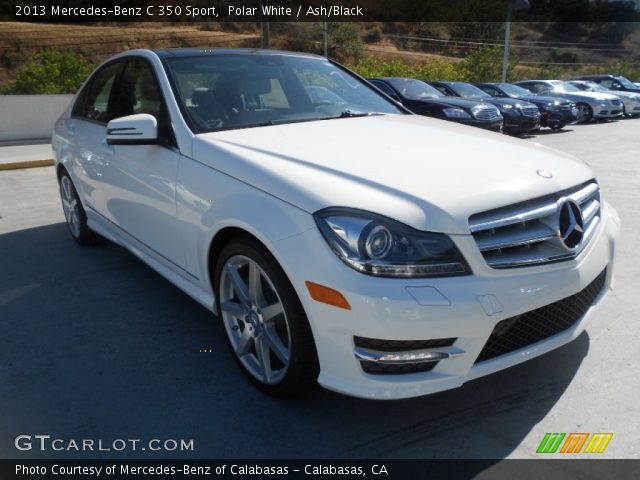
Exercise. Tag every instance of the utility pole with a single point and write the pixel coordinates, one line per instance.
(514, 5)
(507, 36)
(325, 42)
(265, 35)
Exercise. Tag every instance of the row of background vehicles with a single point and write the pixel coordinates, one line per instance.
(520, 107)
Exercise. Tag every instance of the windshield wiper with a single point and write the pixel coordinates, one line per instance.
(350, 114)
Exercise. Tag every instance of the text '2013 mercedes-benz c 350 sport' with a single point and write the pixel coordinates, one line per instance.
(338, 238)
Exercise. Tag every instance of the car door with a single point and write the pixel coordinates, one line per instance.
(140, 183)
(86, 130)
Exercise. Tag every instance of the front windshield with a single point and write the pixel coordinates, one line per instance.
(564, 87)
(466, 90)
(626, 83)
(412, 89)
(594, 87)
(222, 92)
(515, 91)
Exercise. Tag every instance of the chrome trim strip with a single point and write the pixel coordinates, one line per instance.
(534, 234)
(583, 194)
(520, 216)
(410, 356)
(500, 263)
(590, 211)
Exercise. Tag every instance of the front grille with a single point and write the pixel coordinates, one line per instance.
(531, 112)
(528, 233)
(616, 102)
(489, 114)
(523, 330)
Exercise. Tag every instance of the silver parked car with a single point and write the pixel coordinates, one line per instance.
(591, 105)
(630, 100)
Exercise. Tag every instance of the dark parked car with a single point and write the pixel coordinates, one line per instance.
(554, 112)
(519, 116)
(423, 99)
(612, 82)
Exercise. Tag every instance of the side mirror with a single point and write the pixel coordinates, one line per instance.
(140, 129)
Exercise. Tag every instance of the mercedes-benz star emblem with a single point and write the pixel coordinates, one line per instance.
(544, 173)
(570, 224)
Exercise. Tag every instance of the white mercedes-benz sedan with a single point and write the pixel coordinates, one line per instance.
(340, 240)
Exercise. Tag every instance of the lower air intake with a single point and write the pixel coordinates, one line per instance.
(523, 330)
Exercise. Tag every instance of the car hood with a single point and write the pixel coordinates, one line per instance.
(504, 101)
(588, 95)
(618, 93)
(449, 101)
(428, 173)
(542, 100)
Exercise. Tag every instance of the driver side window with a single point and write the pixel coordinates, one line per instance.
(93, 101)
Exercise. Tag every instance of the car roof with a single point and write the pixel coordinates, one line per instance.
(397, 78)
(600, 75)
(207, 52)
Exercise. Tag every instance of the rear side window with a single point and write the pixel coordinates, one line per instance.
(93, 101)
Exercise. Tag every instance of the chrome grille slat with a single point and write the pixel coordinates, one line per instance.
(531, 112)
(511, 238)
(590, 211)
(527, 233)
(498, 220)
(585, 193)
(488, 113)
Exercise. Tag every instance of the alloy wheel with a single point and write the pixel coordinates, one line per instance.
(70, 205)
(584, 113)
(255, 319)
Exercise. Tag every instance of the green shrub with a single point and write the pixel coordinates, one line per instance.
(51, 71)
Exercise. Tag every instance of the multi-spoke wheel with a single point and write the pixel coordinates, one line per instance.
(584, 112)
(266, 325)
(74, 213)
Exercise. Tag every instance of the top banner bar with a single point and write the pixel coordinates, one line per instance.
(322, 10)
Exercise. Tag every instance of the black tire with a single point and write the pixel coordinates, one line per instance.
(587, 109)
(76, 221)
(302, 371)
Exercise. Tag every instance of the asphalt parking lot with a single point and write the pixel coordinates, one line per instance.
(96, 345)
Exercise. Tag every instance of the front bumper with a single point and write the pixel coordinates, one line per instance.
(557, 118)
(520, 123)
(494, 126)
(608, 111)
(465, 308)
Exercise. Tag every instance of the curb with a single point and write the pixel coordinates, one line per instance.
(26, 164)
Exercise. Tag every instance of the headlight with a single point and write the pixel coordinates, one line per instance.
(455, 113)
(507, 106)
(383, 247)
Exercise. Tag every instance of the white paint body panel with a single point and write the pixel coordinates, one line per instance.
(167, 204)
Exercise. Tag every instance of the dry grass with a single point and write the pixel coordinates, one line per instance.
(20, 41)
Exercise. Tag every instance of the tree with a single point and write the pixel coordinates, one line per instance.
(51, 71)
